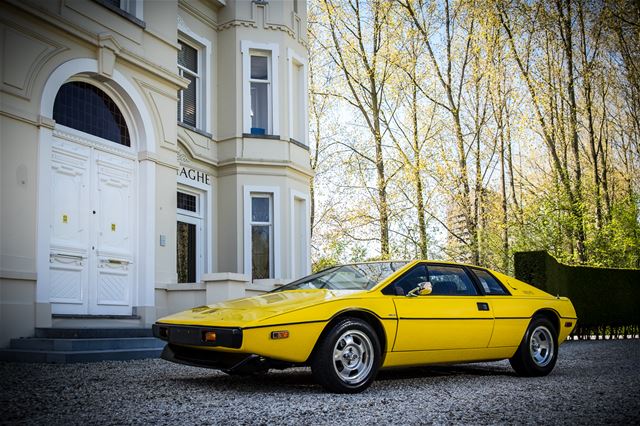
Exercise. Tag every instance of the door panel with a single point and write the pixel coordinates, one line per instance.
(69, 227)
(115, 205)
(92, 223)
(441, 322)
(67, 281)
(113, 284)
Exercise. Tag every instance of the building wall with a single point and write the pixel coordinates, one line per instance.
(134, 61)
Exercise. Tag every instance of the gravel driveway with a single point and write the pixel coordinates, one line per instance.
(594, 382)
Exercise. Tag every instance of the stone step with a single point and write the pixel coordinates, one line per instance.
(92, 333)
(89, 344)
(66, 357)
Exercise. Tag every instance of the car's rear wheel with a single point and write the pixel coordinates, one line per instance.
(538, 351)
(347, 358)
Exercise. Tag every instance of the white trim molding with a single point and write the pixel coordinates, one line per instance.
(246, 226)
(297, 195)
(207, 191)
(246, 47)
(293, 59)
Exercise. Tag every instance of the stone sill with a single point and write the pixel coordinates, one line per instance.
(185, 287)
(126, 15)
(195, 130)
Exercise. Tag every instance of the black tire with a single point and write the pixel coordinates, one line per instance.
(538, 351)
(358, 366)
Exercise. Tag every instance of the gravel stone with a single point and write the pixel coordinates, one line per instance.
(594, 382)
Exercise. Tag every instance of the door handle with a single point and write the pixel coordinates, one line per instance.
(483, 306)
(68, 256)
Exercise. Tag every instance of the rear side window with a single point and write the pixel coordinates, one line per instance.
(450, 280)
(489, 284)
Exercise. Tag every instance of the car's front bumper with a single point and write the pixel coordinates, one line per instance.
(228, 362)
(190, 335)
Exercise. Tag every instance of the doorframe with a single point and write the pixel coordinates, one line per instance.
(205, 192)
(123, 92)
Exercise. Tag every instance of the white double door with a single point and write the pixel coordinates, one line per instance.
(92, 229)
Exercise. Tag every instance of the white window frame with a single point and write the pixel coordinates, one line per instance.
(203, 89)
(293, 59)
(206, 212)
(267, 81)
(194, 218)
(269, 224)
(274, 192)
(249, 48)
(297, 195)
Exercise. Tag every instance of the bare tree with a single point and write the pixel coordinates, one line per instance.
(360, 37)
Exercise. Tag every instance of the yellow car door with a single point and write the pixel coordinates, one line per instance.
(453, 316)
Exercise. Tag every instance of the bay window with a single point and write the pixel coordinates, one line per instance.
(260, 102)
(262, 232)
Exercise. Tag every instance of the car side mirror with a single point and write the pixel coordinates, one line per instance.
(423, 289)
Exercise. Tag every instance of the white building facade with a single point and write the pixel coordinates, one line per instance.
(154, 157)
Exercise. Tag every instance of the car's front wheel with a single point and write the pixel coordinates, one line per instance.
(347, 358)
(538, 351)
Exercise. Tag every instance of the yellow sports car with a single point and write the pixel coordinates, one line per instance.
(347, 322)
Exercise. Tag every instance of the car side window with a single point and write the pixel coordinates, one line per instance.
(490, 285)
(407, 282)
(450, 280)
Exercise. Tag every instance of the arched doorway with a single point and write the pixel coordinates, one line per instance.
(93, 203)
(129, 99)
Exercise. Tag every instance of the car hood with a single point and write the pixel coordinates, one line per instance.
(244, 312)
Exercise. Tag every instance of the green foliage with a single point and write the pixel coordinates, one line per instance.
(323, 263)
(618, 241)
(335, 250)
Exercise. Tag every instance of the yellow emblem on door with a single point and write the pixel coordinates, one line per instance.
(65, 218)
(113, 227)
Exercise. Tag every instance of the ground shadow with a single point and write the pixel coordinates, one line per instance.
(294, 380)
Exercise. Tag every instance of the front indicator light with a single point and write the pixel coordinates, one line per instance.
(210, 336)
(284, 334)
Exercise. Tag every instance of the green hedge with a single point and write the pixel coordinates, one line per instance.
(607, 300)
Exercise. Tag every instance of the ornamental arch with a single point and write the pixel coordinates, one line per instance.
(96, 198)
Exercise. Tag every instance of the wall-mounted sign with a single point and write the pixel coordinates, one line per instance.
(194, 175)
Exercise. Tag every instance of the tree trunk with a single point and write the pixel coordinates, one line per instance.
(422, 226)
(578, 207)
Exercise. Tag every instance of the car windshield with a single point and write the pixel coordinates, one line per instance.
(358, 276)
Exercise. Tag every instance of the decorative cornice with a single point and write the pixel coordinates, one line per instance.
(70, 27)
(237, 23)
(284, 164)
(18, 275)
(19, 116)
(196, 13)
(111, 147)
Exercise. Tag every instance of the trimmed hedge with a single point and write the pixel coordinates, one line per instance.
(607, 300)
